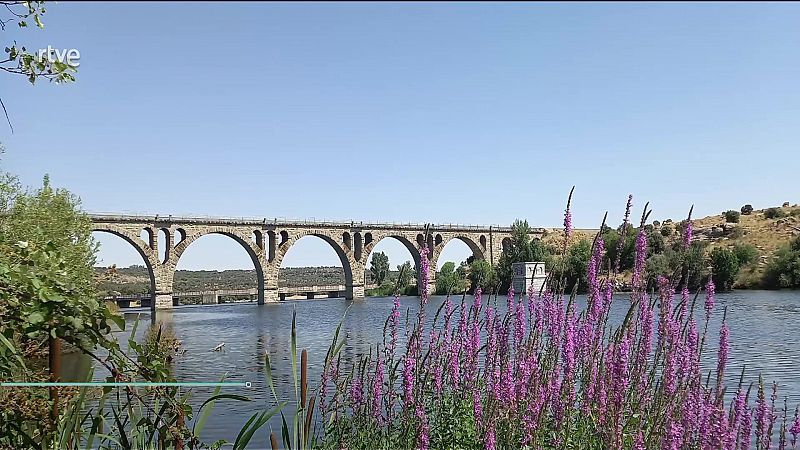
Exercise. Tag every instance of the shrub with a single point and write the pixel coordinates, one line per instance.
(784, 269)
(667, 230)
(774, 213)
(725, 267)
(747, 210)
(745, 253)
(736, 232)
(732, 216)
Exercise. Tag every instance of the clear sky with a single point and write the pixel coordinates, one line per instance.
(468, 113)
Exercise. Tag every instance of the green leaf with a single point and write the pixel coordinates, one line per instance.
(35, 318)
(118, 320)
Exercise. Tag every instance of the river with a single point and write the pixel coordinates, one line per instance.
(763, 331)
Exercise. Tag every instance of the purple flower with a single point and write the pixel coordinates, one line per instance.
(684, 304)
(674, 437)
(423, 431)
(795, 428)
(490, 441)
(641, 257)
(710, 290)
(394, 323)
(747, 427)
(424, 272)
(569, 352)
(519, 325)
(567, 223)
(477, 407)
(409, 366)
(722, 355)
(638, 441)
(357, 393)
(377, 390)
(619, 372)
(625, 222)
(762, 417)
(739, 407)
(323, 388)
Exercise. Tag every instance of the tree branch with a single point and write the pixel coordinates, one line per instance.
(8, 119)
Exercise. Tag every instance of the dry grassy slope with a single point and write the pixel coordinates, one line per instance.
(765, 234)
(554, 237)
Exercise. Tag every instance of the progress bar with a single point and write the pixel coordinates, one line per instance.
(245, 384)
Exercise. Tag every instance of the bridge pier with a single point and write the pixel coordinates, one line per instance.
(163, 300)
(210, 298)
(354, 291)
(269, 296)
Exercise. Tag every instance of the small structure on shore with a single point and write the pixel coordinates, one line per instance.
(528, 276)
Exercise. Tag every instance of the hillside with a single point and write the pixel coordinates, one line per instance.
(756, 229)
(133, 280)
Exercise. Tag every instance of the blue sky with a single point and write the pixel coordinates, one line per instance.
(468, 113)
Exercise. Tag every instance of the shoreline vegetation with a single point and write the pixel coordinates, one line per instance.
(541, 374)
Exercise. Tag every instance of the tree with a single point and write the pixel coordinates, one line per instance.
(407, 273)
(725, 267)
(449, 280)
(20, 60)
(628, 253)
(51, 216)
(577, 260)
(732, 216)
(691, 264)
(521, 249)
(482, 274)
(47, 290)
(655, 243)
(747, 210)
(379, 267)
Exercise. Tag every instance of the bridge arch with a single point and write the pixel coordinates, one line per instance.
(406, 241)
(246, 242)
(476, 248)
(353, 270)
(137, 243)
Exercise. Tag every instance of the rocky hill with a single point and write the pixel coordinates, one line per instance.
(765, 229)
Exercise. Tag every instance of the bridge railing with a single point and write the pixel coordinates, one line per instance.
(112, 217)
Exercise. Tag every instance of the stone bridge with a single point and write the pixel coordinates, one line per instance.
(268, 240)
